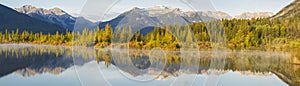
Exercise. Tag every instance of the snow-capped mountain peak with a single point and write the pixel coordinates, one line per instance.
(164, 7)
(28, 9)
(249, 15)
(55, 15)
(57, 11)
(161, 15)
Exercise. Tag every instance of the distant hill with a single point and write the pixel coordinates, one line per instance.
(292, 10)
(56, 16)
(249, 15)
(11, 20)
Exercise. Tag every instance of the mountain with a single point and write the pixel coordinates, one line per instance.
(139, 18)
(206, 16)
(292, 10)
(55, 16)
(134, 18)
(162, 9)
(249, 15)
(11, 20)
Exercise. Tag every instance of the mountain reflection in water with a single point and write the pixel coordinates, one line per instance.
(30, 60)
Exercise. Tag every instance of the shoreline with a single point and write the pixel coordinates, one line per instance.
(147, 49)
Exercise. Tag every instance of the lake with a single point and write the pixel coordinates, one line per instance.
(44, 65)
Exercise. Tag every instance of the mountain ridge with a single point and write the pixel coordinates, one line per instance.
(289, 11)
(152, 16)
(56, 16)
(161, 15)
(148, 18)
(13, 20)
(249, 15)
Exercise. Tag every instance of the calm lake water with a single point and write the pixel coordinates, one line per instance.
(41, 65)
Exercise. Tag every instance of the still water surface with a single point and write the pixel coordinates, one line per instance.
(41, 65)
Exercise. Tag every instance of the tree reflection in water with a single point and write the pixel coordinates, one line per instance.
(29, 60)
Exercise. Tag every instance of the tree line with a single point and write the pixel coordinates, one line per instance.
(261, 33)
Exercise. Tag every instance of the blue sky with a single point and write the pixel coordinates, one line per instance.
(99, 7)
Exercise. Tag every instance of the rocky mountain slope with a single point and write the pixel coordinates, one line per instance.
(249, 15)
(292, 10)
(161, 15)
(55, 16)
(12, 20)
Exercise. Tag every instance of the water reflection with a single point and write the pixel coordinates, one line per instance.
(151, 66)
